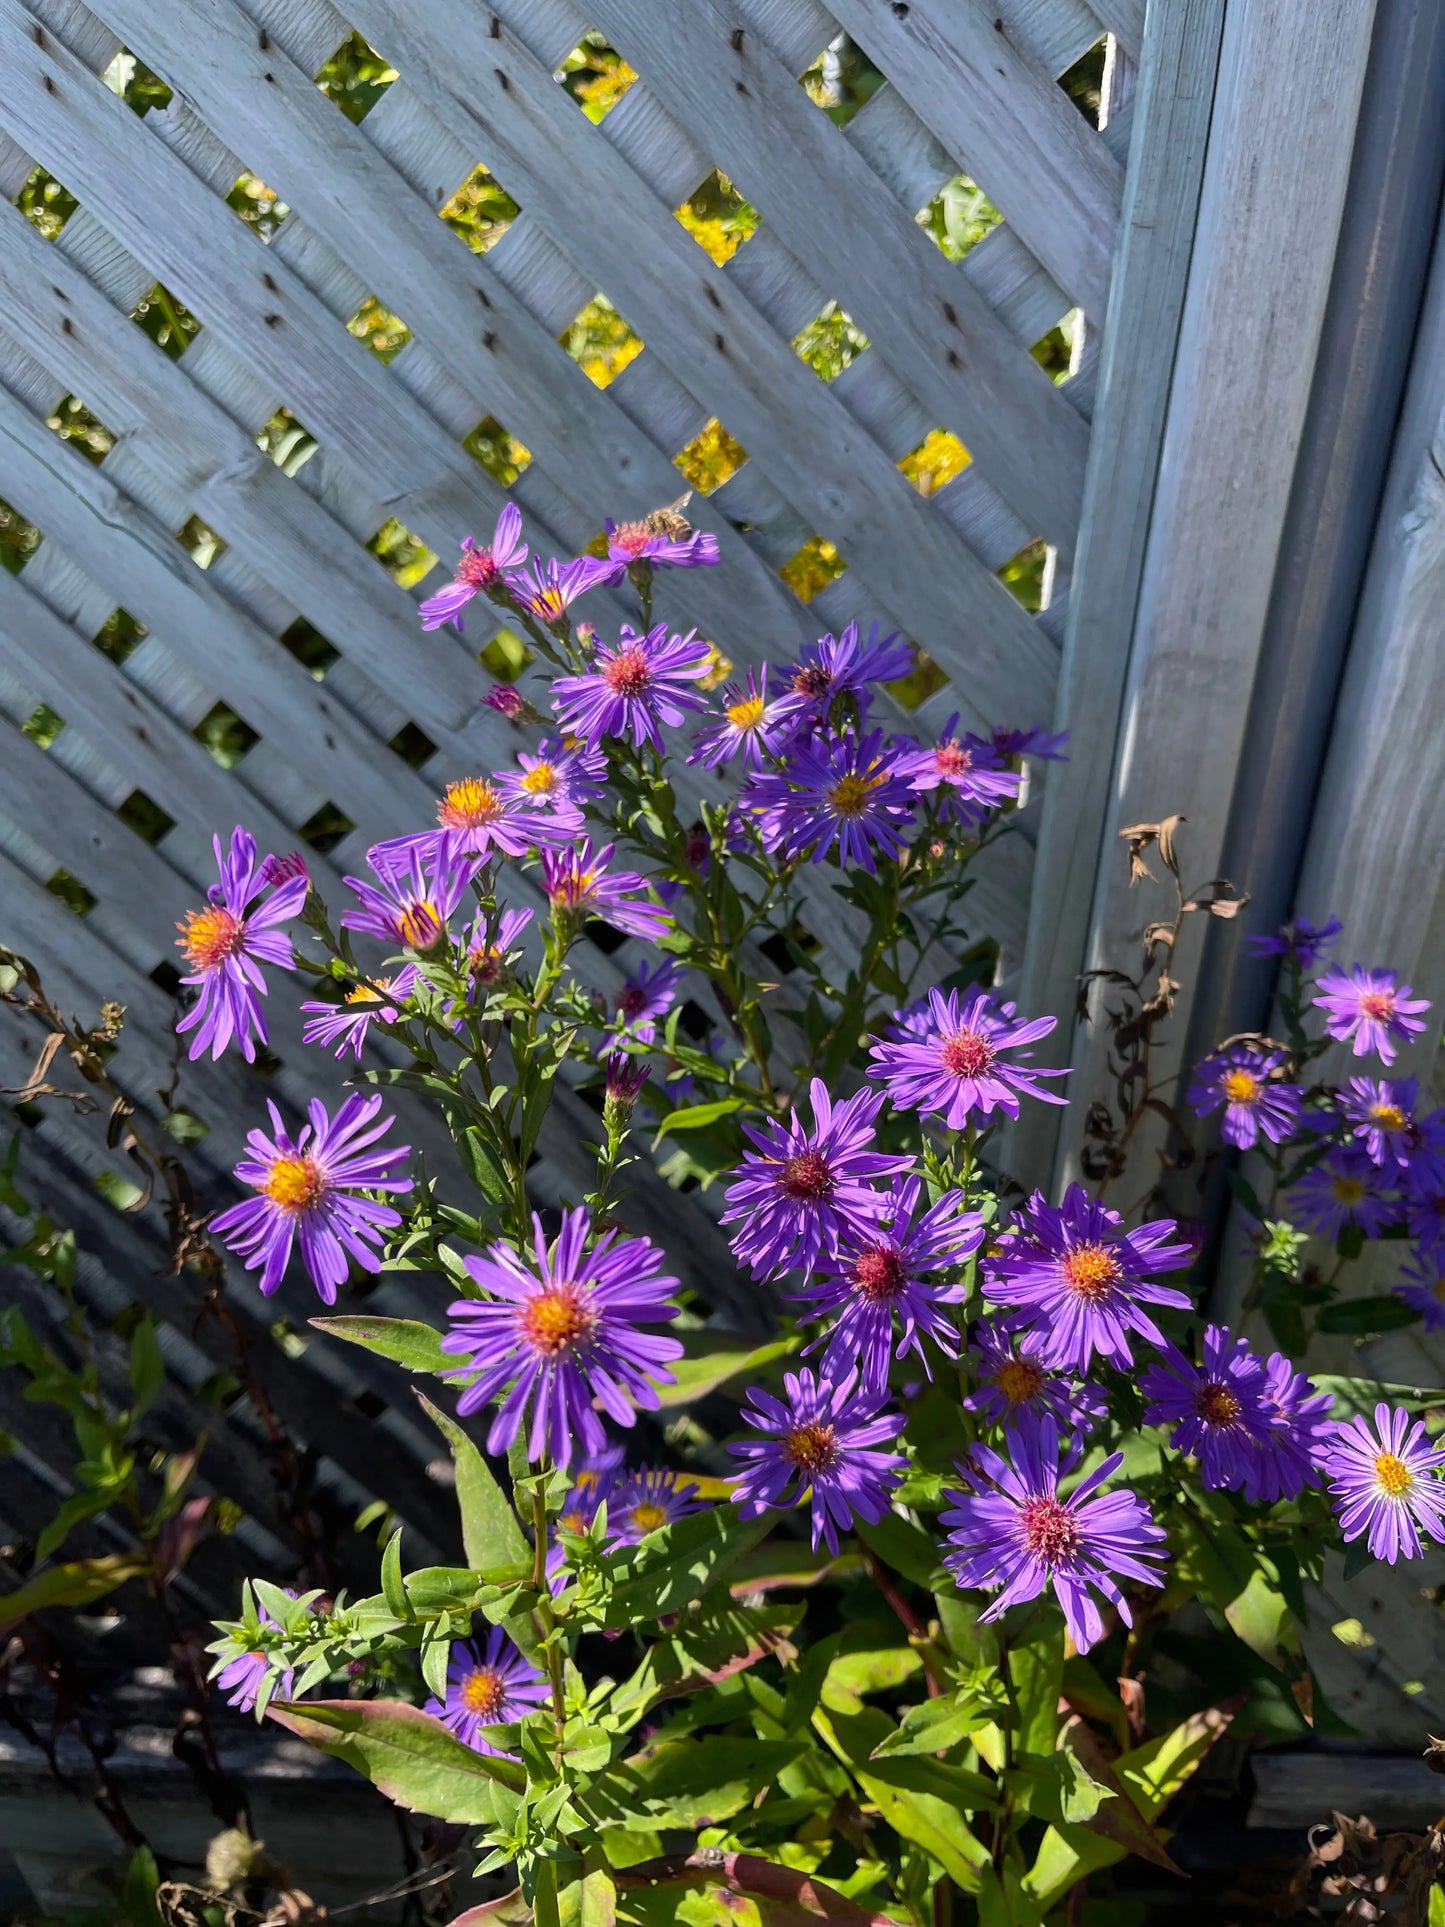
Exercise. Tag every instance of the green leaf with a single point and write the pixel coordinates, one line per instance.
(696, 1117)
(146, 1366)
(491, 1535)
(74, 1584)
(406, 1341)
(673, 1567)
(1245, 1593)
(1353, 1396)
(922, 1800)
(690, 1782)
(937, 1725)
(852, 1675)
(409, 1755)
(591, 1899)
(77, 1508)
(905, 1547)
(393, 1586)
(1361, 1316)
(713, 1361)
(1058, 1787)
(705, 1647)
(485, 1165)
(1037, 1672)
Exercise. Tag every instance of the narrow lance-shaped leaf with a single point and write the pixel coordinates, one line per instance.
(406, 1341)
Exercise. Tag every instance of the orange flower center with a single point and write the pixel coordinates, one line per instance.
(557, 1319)
(807, 1177)
(294, 1183)
(1050, 1530)
(878, 1274)
(209, 936)
(1091, 1271)
(484, 1693)
(365, 994)
(812, 1447)
(470, 804)
(746, 714)
(966, 1053)
(1240, 1087)
(628, 673)
(1216, 1404)
(1392, 1475)
(1019, 1379)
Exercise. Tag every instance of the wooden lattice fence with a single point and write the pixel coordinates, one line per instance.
(284, 681)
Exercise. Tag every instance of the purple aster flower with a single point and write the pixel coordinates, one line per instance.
(1422, 1287)
(796, 1195)
(843, 789)
(750, 726)
(479, 570)
(648, 995)
(477, 817)
(346, 1024)
(309, 1188)
(494, 1687)
(240, 1678)
(1345, 1189)
(1013, 1382)
(562, 777)
(226, 943)
(492, 945)
(1425, 1214)
(1011, 1529)
(1303, 941)
(1038, 741)
(1382, 1111)
(420, 886)
(1081, 1280)
(548, 592)
(967, 773)
(1289, 1459)
(625, 1077)
(562, 1334)
(881, 1274)
(1256, 1104)
(836, 666)
(1371, 1006)
(955, 1064)
(649, 1499)
(1384, 1483)
(829, 1436)
(663, 539)
(578, 886)
(1217, 1409)
(632, 688)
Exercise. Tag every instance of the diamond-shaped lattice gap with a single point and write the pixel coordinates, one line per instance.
(841, 79)
(145, 816)
(137, 86)
(403, 555)
(225, 735)
(200, 541)
(355, 77)
(118, 635)
(595, 75)
(259, 206)
(383, 332)
(1054, 351)
(936, 460)
(717, 217)
(1084, 81)
(500, 454)
(310, 648)
(324, 829)
(42, 726)
(506, 655)
(481, 210)
(19, 539)
(958, 216)
(72, 893)
(601, 341)
(74, 423)
(168, 322)
(710, 458)
(412, 744)
(923, 680)
(288, 442)
(46, 204)
(810, 571)
(829, 341)
(1023, 574)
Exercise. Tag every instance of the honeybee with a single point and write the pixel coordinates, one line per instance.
(670, 521)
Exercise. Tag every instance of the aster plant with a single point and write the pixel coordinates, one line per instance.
(824, 1500)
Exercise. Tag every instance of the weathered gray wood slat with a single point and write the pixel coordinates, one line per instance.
(1140, 338)
(753, 381)
(1269, 213)
(1010, 126)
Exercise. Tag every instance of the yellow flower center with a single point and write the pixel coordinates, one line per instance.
(295, 1183)
(420, 924)
(469, 804)
(1392, 1475)
(541, 779)
(365, 994)
(208, 937)
(549, 605)
(1347, 1190)
(1090, 1271)
(648, 1517)
(484, 1692)
(1019, 1379)
(849, 795)
(557, 1319)
(1389, 1116)
(1240, 1087)
(811, 1447)
(746, 714)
